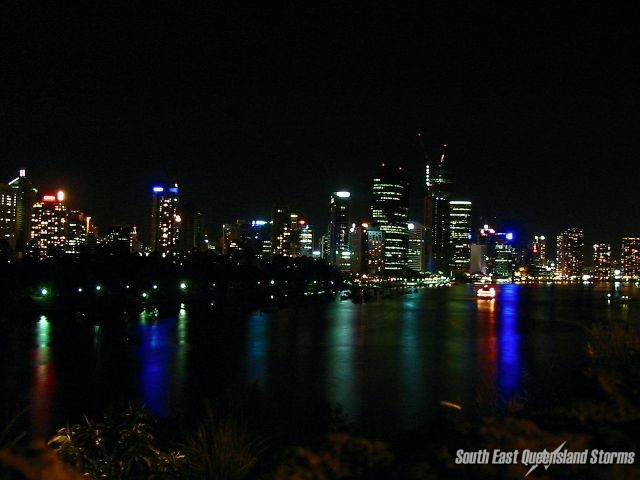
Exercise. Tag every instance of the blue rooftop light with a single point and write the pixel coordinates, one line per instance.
(158, 189)
(510, 236)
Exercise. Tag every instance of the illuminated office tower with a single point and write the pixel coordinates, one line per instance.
(602, 261)
(25, 198)
(630, 257)
(49, 226)
(416, 246)
(281, 231)
(165, 220)
(7, 218)
(390, 213)
(375, 251)
(323, 246)
(306, 238)
(539, 251)
(504, 255)
(570, 253)
(76, 233)
(460, 236)
(294, 238)
(436, 215)
(538, 257)
(339, 226)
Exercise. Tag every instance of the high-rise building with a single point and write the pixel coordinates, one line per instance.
(539, 250)
(375, 254)
(25, 198)
(504, 255)
(359, 247)
(339, 251)
(306, 238)
(49, 226)
(76, 233)
(460, 236)
(390, 211)
(570, 253)
(436, 214)
(165, 221)
(294, 239)
(281, 231)
(537, 257)
(7, 218)
(602, 261)
(630, 257)
(416, 246)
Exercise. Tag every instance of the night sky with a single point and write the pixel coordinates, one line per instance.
(247, 107)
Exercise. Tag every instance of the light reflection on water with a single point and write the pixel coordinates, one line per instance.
(388, 363)
(44, 380)
(162, 361)
(510, 360)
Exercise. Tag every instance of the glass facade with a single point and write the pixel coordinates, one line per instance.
(390, 213)
(339, 226)
(460, 235)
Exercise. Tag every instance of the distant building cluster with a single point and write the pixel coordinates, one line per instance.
(46, 225)
(387, 244)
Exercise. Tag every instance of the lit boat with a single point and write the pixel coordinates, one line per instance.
(486, 293)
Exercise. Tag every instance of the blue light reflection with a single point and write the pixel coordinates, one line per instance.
(509, 359)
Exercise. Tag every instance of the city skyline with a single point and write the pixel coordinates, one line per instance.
(245, 107)
(185, 215)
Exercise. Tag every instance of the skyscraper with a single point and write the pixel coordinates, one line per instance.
(7, 217)
(339, 246)
(359, 247)
(281, 231)
(390, 211)
(570, 253)
(165, 220)
(49, 226)
(76, 233)
(375, 251)
(602, 261)
(503, 257)
(539, 251)
(436, 214)
(285, 232)
(460, 236)
(630, 257)
(416, 246)
(25, 198)
(537, 261)
(306, 238)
